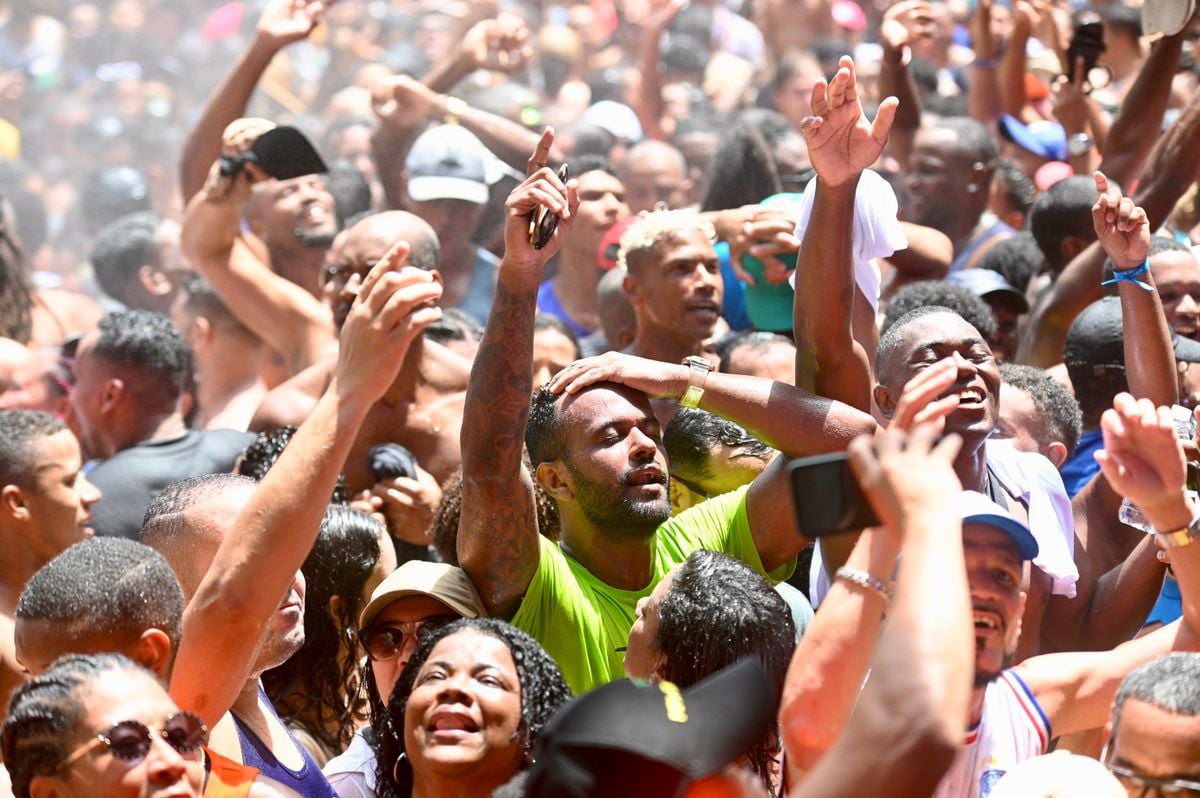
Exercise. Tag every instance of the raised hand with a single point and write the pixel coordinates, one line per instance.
(285, 21)
(905, 474)
(407, 505)
(541, 188)
(501, 44)
(396, 302)
(841, 142)
(234, 189)
(1143, 460)
(906, 22)
(403, 102)
(1070, 100)
(1122, 226)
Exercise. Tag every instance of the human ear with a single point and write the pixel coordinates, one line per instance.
(553, 481)
(884, 401)
(46, 787)
(153, 281)
(1056, 453)
(12, 499)
(153, 651)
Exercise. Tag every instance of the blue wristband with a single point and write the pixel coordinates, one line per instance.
(1131, 276)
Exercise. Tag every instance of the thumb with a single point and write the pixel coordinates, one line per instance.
(884, 118)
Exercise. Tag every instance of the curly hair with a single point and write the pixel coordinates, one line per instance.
(718, 611)
(310, 689)
(45, 710)
(265, 449)
(543, 691)
(16, 292)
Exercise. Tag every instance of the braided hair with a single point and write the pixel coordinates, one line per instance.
(543, 691)
(43, 713)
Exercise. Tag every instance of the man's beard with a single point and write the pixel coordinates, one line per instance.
(315, 239)
(614, 514)
(984, 678)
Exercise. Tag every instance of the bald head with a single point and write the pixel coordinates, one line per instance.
(188, 520)
(654, 172)
(379, 231)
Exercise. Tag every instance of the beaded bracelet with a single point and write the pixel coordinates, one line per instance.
(865, 580)
(1131, 276)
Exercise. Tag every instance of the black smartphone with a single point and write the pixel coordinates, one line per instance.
(282, 152)
(543, 223)
(827, 498)
(1088, 43)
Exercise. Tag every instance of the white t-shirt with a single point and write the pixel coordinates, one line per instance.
(352, 773)
(1013, 728)
(1036, 482)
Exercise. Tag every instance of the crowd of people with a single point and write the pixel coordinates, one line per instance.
(409, 399)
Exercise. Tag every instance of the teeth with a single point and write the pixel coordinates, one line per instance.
(987, 621)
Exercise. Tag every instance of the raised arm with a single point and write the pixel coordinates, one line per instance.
(650, 105)
(499, 45)
(913, 710)
(1119, 574)
(1173, 166)
(282, 22)
(286, 317)
(1142, 459)
(841, 144)
(903, 24)
(983, 83)
(272, 535)
(498, 534)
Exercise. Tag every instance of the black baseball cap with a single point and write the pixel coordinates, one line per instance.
(1096, 339)
(651, 740)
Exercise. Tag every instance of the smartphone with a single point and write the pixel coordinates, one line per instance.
(827, 498)
(1088, 43)
(544, 223)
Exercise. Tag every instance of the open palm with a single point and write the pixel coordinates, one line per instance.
(841, 142)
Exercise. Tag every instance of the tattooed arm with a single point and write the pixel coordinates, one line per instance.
(497, 533)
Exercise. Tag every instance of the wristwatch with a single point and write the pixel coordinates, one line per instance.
(455, 108)
(698, 369)
(1180, 537)
(1079, 144)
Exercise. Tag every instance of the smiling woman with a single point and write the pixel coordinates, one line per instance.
(466, 711)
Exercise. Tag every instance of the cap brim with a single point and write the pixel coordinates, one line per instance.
(424, 189)
(1027, 545)
(1020, 133)
(378, 603)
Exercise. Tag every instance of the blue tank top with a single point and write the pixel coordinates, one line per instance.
(308, 780)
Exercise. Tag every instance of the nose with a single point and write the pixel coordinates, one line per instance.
(89, 494)
(164, 765)
(966, 369)
(642, 446)
(1188, 306)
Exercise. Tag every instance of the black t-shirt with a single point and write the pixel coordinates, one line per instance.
(132, 477)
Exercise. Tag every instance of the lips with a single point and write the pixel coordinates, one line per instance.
(646, 475)
(987, 622)
(452, 721)
(313, 214)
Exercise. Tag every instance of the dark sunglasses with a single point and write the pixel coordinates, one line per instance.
(385, 642)
(130, 740)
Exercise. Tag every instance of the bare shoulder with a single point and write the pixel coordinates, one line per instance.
(291, 401)
(445, 370)
(58, 314)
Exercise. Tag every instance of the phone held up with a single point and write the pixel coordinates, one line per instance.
(827, 498)
(544, 223)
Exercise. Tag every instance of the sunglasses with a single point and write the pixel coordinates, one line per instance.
(129, 741)
(385, 642)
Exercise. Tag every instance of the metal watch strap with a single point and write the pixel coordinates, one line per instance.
(1180, 537)
(698, 369)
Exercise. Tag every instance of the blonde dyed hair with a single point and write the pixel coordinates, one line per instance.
(653, 227)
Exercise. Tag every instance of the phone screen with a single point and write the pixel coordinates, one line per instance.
(827, 498)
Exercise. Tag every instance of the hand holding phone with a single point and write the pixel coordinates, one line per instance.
(544, 222)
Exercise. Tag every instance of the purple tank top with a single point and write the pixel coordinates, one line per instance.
(308, 780)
